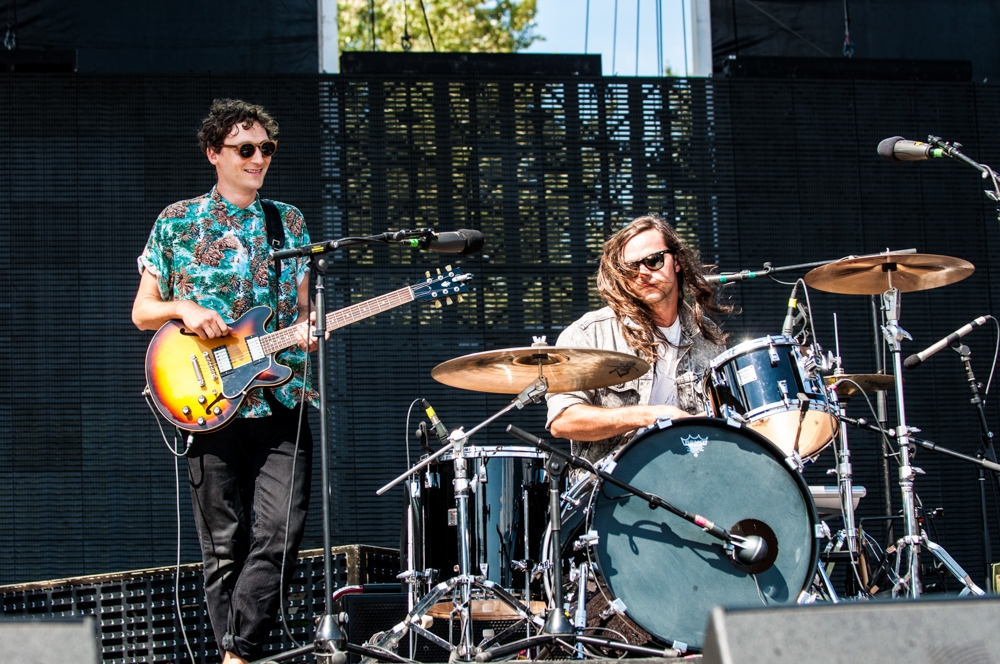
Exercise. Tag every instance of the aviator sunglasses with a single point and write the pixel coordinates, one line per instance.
(652, 261)
(246, 150)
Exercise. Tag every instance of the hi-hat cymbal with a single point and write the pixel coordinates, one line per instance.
(873, 275)
(848, 385)
(510, 370)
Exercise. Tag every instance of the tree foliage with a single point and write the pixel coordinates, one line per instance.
(487, 26)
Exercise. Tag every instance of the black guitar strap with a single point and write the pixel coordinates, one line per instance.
(275, 239)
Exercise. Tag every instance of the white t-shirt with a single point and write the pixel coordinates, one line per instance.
(665, 374)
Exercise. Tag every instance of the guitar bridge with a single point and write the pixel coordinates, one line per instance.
(211, 367)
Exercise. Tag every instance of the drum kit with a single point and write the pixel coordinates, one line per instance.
(492, 530)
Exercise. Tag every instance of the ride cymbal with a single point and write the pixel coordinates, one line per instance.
(510, 370)
(873, 275)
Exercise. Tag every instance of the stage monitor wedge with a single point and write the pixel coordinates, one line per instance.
(928, 631)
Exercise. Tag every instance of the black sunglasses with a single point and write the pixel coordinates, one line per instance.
(246, 150)
(652, 261)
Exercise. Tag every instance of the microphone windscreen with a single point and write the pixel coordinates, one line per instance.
(474, 241)
(885, 148)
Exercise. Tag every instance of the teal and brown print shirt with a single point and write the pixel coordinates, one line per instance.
(212, 252)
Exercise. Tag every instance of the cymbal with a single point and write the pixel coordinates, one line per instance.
(510, 370)
(871, 275)
(865, 383)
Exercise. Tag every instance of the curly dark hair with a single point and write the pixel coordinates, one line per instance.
(616, 287)
(225, 113)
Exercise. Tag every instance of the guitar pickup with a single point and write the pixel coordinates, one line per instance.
(221, 355)
(256, 350)
(197, 371)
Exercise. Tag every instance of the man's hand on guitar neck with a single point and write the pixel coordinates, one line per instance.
(305, 338)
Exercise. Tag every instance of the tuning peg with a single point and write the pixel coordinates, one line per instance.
(437, 304)
(439, 271)
(447, 268)
(460, 298)
(448, 301)
(428, 273)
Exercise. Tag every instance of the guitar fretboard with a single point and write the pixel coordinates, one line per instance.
(275, 341)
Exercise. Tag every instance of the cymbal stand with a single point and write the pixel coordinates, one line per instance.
(910, 543)
(464, 582)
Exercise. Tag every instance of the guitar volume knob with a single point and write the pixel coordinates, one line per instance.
(202, 399)
(201, 421)
(186, 410)
(217, 411)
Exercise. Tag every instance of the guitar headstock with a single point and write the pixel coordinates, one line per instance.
(451, 282)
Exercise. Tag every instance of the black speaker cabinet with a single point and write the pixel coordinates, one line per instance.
(48, 640)
(928, 631)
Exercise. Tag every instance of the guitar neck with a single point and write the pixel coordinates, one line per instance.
(275, 341)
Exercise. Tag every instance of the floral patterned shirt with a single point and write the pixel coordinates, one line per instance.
(208, 250)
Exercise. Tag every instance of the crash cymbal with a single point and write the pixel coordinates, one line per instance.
(848, 385)
(873, 275)
(510, 370)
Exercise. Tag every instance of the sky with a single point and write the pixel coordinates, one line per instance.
(565, 27)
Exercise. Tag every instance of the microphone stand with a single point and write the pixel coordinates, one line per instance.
(767, 269)
(985, 452)
(558, 630)
(329, 642)
(951, 149)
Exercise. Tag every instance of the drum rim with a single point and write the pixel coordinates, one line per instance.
(778, 455)
(498, 451)
(753, 344)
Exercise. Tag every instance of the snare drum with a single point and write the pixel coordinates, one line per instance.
(509, 501)
(760, 381)
(667, 572)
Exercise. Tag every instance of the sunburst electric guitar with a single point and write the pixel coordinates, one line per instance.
(199, 384)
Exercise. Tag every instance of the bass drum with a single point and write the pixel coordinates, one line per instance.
(668, 572)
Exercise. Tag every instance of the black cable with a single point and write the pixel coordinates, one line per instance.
(427, 24)
(291, 485)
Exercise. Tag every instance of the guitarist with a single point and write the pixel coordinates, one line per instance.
(206, 262)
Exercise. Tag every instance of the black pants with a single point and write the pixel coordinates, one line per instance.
(240, 479)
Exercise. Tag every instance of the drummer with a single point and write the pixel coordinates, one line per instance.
(645, 275)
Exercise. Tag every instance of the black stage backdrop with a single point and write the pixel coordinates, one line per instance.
(749, 170)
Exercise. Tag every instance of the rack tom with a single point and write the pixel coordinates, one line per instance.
(766, 384)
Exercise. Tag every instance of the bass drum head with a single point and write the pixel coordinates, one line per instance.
(670, 573)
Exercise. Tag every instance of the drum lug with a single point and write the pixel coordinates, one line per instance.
(794, 462)
(617, 606)
(663, 422)
(772, 352)
(591, 538)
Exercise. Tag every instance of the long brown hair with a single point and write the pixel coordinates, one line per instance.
(617, 288)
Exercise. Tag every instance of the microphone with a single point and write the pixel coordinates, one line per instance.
(439, 428)
(914, 361)
(723, 279)
(462, 242)
(749, 550)
(789, 326)
(898, 148)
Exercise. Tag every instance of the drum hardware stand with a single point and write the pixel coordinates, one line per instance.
(559, 630)
(464, 582)
(883, 422)
(914, 537)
